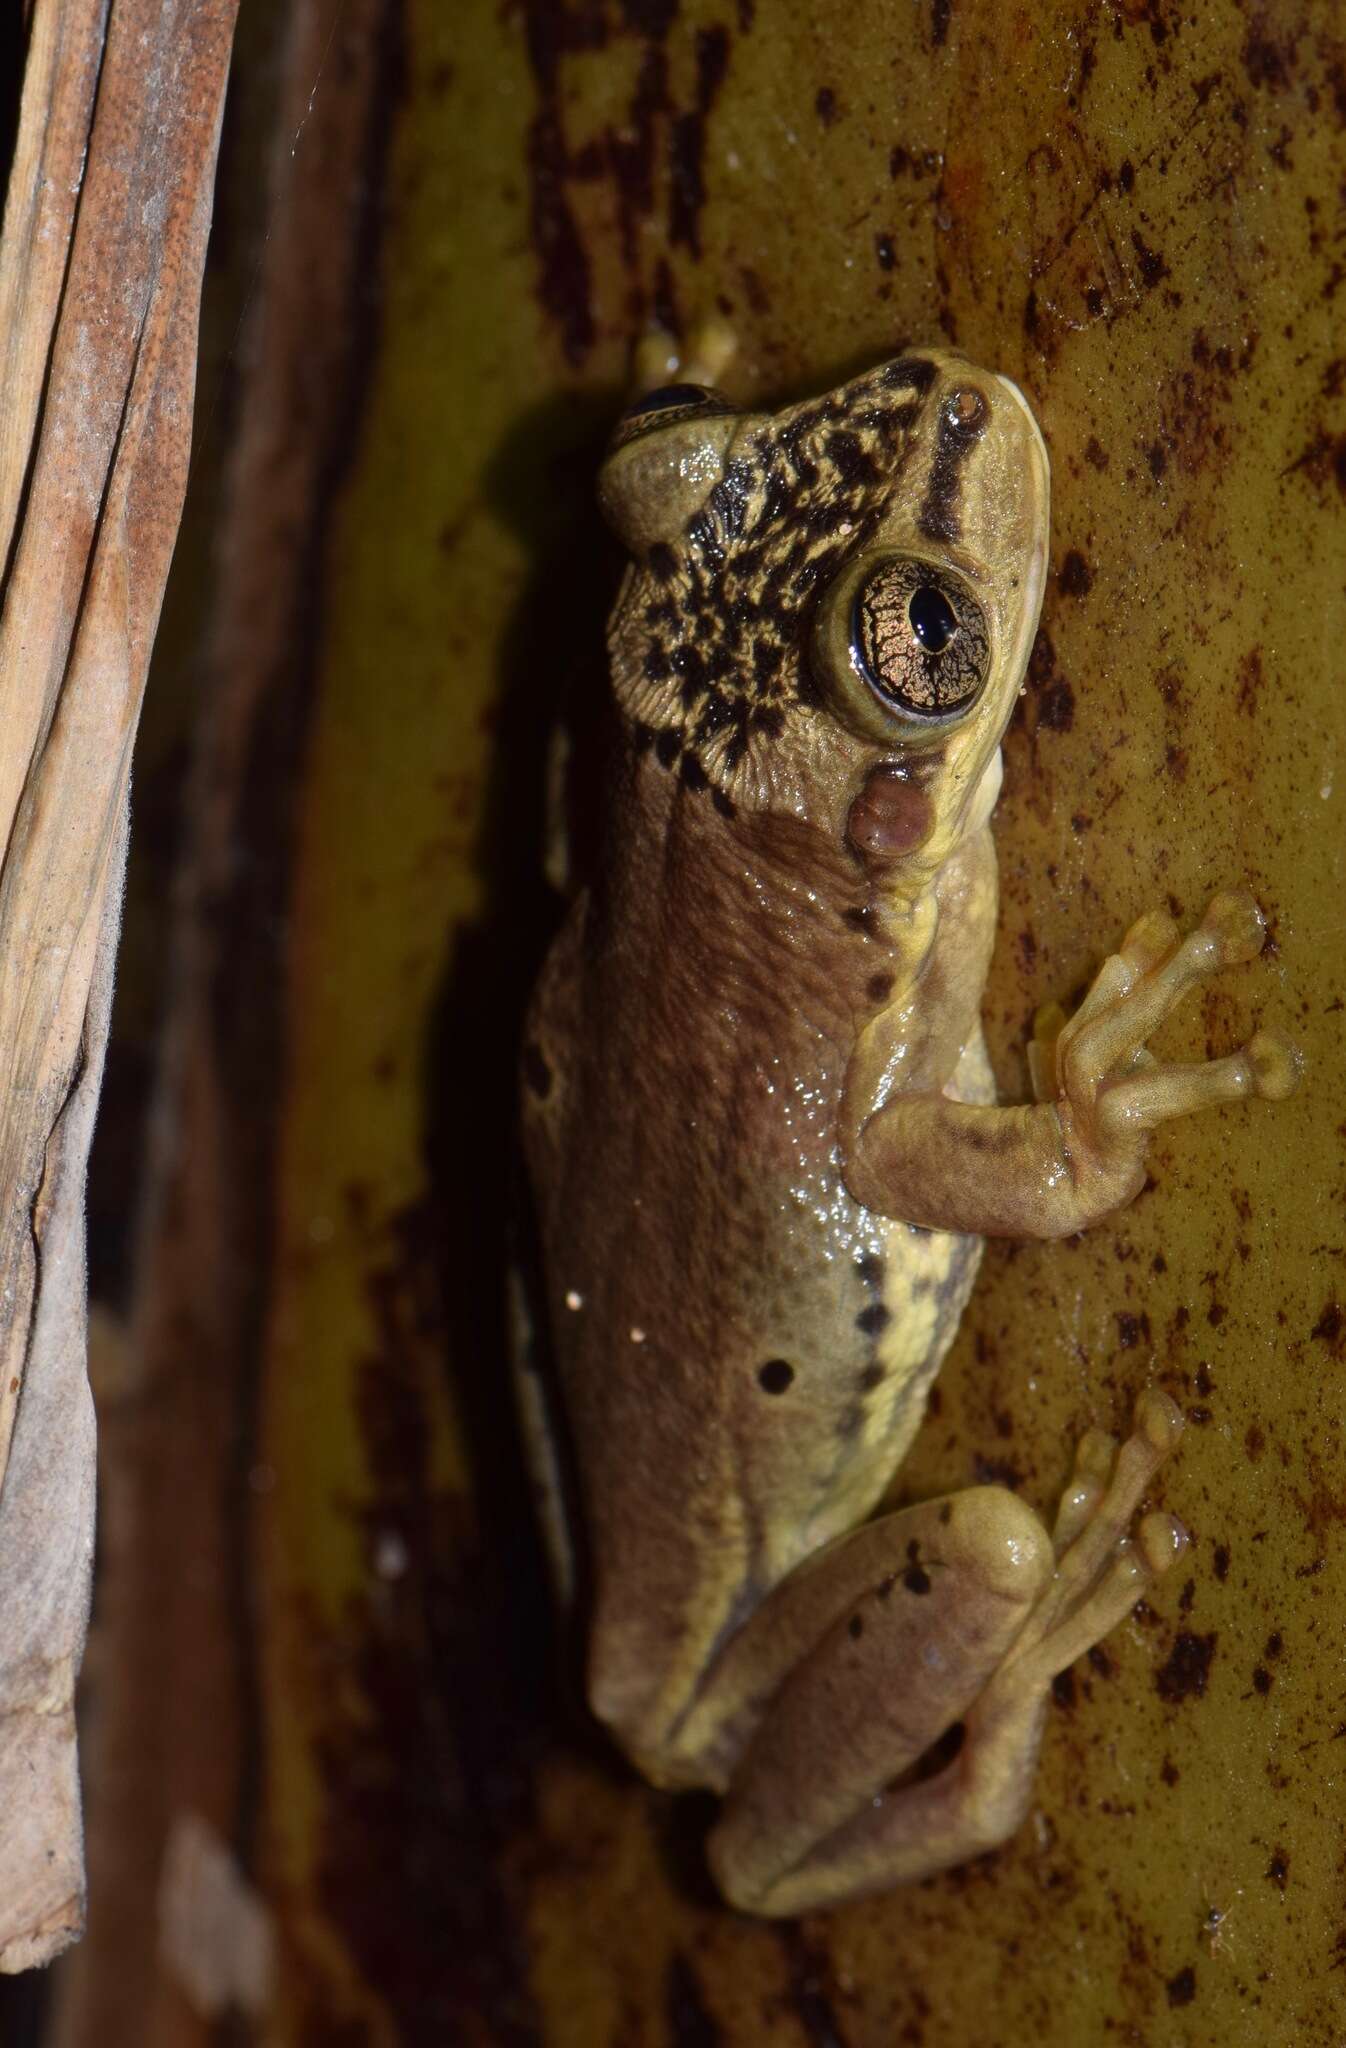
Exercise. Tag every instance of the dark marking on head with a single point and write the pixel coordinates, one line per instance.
(871, 1377)
(712, 643)
(962, 421)
(1182, 1988)
(874, 1319)
(869, 1265)
(909, 373)
(776, 1376)
(855, 1627)
(879, 987)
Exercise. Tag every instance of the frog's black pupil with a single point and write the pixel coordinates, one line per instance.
(932, 619)
(666, 396)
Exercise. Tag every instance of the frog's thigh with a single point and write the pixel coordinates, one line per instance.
(937, 1597)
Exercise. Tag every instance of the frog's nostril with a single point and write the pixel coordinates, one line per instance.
(966, 407)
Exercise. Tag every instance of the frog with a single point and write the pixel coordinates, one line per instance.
(765, 1147)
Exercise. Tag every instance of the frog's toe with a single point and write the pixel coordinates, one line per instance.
(1095, 1456)
(1275, 1064)
(1101, 1568)
(1235, 925)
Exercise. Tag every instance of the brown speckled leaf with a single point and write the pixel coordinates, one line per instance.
(99, 282)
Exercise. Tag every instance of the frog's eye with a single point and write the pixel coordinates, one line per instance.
(669, 398)
(664, 459)
(671, 405)
(918, 637)
(902, 638)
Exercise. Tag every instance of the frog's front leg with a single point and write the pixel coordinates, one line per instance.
(1078, 1153)
(957, 1612)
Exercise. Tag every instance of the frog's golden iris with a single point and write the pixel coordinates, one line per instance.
(919, 638)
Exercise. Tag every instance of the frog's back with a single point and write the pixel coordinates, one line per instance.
(743, 1351)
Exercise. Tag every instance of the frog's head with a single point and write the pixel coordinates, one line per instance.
(832, 607)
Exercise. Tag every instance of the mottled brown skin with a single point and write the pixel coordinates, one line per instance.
(762, 1136)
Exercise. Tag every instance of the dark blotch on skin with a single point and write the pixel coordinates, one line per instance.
(1262, 1680)
(1182, 1988)
(856, 1627)
(825, 105)
(536, 1072)
(1220, 1561)
(871, 1377)
(776, 1376)
(885, 251)
(1185, 1674)
(915, 1578)
(879, 986)
(873, 1319)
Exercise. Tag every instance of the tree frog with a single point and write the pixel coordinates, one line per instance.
(764, 1143)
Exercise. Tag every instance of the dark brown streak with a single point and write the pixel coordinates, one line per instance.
(939, 517)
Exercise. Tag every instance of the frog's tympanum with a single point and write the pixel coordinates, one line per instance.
(765, 1145)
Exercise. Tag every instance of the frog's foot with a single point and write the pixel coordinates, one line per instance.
(1112, 1091)
(839, 1790)
(1101, 1568)
(702, 359)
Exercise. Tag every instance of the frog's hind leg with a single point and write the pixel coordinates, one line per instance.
(841, 1791)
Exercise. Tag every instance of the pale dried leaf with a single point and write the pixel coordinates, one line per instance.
(100, 271)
